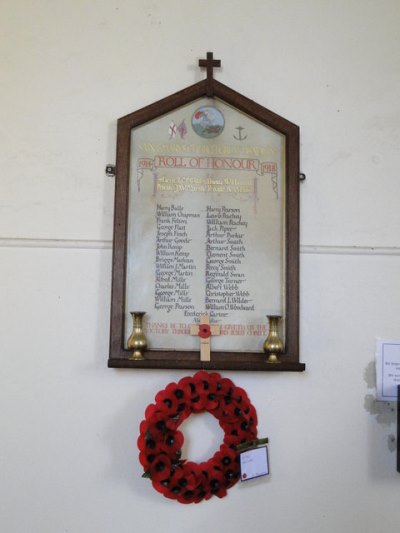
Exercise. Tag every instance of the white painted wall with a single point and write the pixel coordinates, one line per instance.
(69, 69)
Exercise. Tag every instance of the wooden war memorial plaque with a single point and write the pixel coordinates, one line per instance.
(206, 222)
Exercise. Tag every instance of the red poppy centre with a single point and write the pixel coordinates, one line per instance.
(204, 331)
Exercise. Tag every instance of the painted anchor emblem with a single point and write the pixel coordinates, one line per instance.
(240, 138)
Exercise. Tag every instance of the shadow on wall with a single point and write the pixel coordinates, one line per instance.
(384, 412)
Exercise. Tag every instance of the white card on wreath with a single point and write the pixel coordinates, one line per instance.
(254, 463)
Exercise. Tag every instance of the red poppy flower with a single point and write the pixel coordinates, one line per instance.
(204, 331)
(190, 483)
(208, 380)
(240, 395)
(162, 487)
(173, 442)
(184, 477)
(227, 460)
(188, 383)
(160, 468)
(174, 399)
(149, 449)
(224, 456)
(160, 422)
(225, 386)
(217, 483)
(148, 442)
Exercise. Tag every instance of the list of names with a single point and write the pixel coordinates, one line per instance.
(174, 266)
(225, 253)
(225, 257)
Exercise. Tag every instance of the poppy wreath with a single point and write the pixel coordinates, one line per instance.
(160, 441)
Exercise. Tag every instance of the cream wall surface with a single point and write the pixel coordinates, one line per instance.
(69, 426)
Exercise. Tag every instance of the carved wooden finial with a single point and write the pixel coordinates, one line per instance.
(210, 63)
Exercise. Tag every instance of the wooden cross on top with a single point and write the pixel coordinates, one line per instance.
(204, 331)
(209, 63)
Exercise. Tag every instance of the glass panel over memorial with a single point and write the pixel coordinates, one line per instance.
(206, 227)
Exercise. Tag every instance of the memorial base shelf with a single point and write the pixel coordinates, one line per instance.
(219, 361)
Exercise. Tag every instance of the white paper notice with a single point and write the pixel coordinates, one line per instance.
(387, 369)
(254, 463)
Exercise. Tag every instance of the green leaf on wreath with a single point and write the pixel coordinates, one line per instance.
(146, 474)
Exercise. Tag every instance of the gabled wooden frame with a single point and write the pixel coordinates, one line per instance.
(119, 356)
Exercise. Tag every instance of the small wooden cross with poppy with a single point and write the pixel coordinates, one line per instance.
(204, 330)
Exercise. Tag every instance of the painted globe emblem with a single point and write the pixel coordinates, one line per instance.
(208, 122)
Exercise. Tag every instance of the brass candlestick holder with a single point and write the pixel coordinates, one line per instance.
(273, 345)
(137, 341)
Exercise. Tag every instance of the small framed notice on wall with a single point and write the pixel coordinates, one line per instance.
(206, 224)
(387, 369)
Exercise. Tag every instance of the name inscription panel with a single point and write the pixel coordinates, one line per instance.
(206, 228)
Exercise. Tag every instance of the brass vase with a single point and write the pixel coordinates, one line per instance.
(137, 342)
(273, 345)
